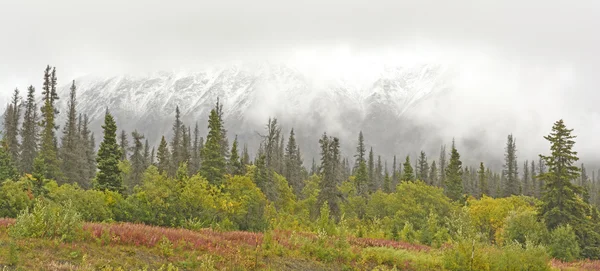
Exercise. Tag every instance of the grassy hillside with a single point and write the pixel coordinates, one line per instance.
(138, 247)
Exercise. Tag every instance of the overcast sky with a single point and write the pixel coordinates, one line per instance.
(545, 51)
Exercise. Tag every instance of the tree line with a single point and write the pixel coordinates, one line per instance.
(31, 146)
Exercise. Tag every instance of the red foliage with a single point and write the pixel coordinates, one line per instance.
(5, 222)
(578, 265)
(370, 242)
(150, 236)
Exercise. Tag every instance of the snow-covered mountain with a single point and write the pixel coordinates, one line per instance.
(341, 105)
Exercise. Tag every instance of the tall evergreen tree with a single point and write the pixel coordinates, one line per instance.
(163, 156)
(214, 164)
(453, 181)
(152, 155)
(70, 149)
(387, 181)
(526, 181)
(423, 168)
(560, 205)
(293, 165)
(371, 168)
(535, 189)
(442, 165)
(146, 155)
(8, 171)
(378, 176)
(29, 133)
(433, 174)
(124, 144)
(46, 164)
(186, 146)
(194, 165)
(137, 159)
(408, 174)
(329, 170)
(361, 175)
(224, 140)
(12, 116)
(235, 162)
(511, 184)
(245, 157)
(585, 185)
(109, 175)
(395, 177)
(176, 143)
(87, 153)
(483, 181)
(360, 151)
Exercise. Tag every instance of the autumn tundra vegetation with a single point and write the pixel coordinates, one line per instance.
(197, 203)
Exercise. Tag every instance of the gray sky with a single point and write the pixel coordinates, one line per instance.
(514, 56)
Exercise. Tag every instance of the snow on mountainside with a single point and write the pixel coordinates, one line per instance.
(253, 93)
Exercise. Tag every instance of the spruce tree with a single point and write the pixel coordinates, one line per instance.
(12, 116)
(585, 185)
(8, 171)
(360, 150)
(224, 140)
(186, 145)
(423, 168)
(526, 181)
(124, 144)
(371, 168)
(245, 157)
(453, 181)
(29, 133)
(293, 165)
(433, 174)
(408, 174)
(109, 175)
(560, 205)
(395, 177)
(377, 177)
(329, 170)
(214, 164)
(483, 182)
(535, 189)
(176, 143)
(70, 149)
(194, 164)
(235, 162)
(146, 155)
(163, 156)
(46, 164)
(511, 184)
(87, 154)
(137, 159)
(152, 155)
(387, 181)
(361, 175)
(442, 165)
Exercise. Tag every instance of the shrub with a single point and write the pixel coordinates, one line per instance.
(563, 244)
(522, 227)
(478, 256)
(48, 220)
(14, 198)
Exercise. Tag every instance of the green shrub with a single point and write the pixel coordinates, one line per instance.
(522, 227)
(402, 259)
(478, 256)
(563, 244)
(14, 198)
(48, 220)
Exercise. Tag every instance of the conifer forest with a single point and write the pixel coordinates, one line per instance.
(74, 200)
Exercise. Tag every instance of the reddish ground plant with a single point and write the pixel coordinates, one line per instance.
(5, 222)
(577, 265)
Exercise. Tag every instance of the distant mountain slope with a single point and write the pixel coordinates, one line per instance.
(253, 93)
